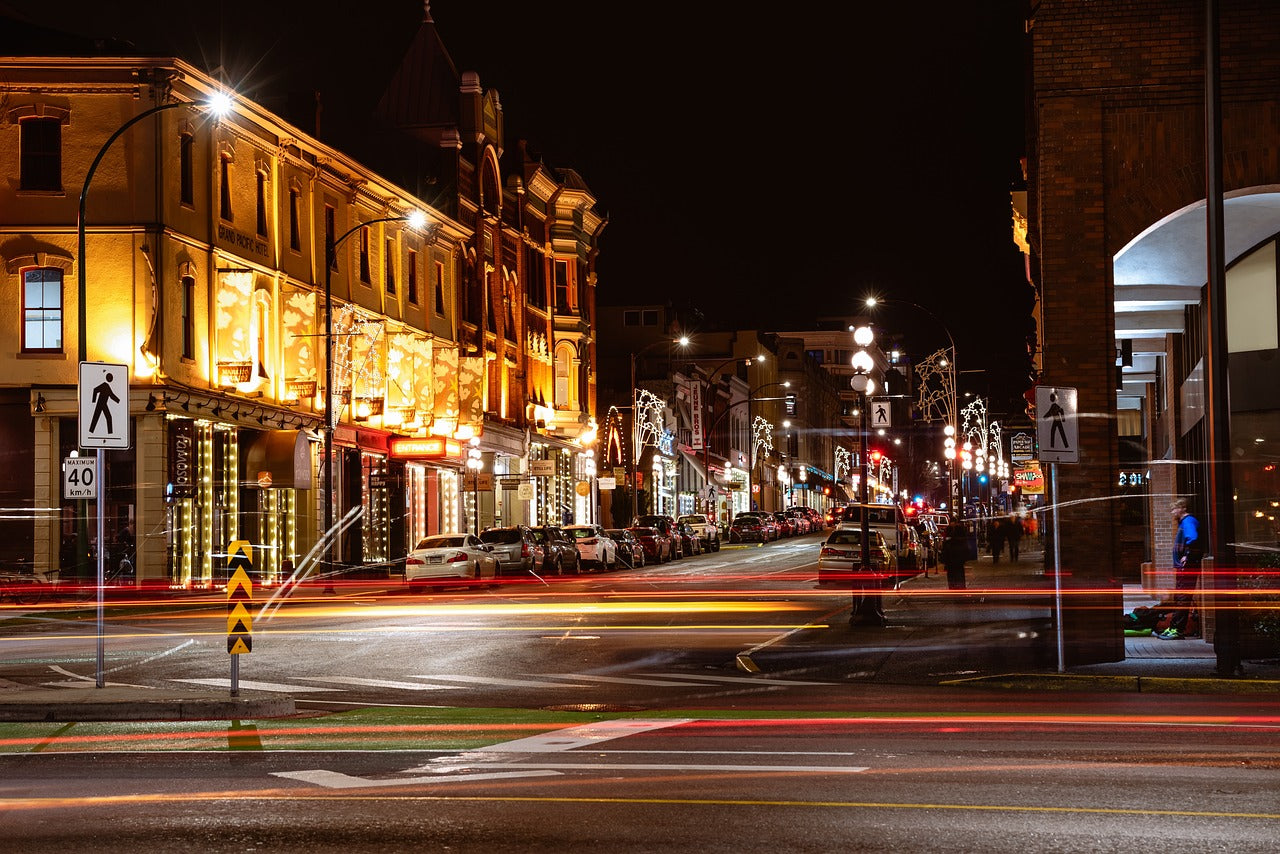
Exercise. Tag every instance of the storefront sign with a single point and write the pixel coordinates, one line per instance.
(695, 414)
(430, 448)
(542, 468)
(1030, 481)
(582, 488)
(182, 456)
(606, 483)
(1022, 447)
(525, 492)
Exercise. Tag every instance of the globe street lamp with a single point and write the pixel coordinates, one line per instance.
(864, 385)
(475, 462)
(416, 220)
(217, 104)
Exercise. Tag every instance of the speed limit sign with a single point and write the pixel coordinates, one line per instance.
(79, 477)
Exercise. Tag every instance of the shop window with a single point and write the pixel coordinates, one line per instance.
(42, 310)
(40, 153)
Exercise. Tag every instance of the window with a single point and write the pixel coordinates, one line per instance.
(562, 286)
(631, 317)
(186, 169)
(412, 283)
(224, 206)
(649, 317)
(390, 265)
(262, 204)
(295, 231)
(440, 289)
(329, 234)
(42, 310)
(188, 317)
(40, 148)
(365, 276)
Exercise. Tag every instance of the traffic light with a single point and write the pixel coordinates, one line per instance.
(791, 404)
(875, 457)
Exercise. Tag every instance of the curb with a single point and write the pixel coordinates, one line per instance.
(1137, 684)
(113, 704)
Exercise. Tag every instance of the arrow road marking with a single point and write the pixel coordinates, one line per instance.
(586, 735)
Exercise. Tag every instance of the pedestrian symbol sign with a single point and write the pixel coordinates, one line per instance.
(104, 405)
(881, 413)
(1057, 426)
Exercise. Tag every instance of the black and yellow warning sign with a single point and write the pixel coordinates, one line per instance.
(239, 595)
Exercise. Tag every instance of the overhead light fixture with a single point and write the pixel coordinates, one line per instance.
(151, 403)
(40, 407)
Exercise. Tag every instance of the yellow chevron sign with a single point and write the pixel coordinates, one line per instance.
(239, 592)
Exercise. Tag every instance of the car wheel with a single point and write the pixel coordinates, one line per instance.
(715, 546)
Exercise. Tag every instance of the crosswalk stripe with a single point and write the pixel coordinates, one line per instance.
(620, 680)
(586, 735)
(507, 683)
(338, 780)
(258, 686)
(746, 680)
(381, 683)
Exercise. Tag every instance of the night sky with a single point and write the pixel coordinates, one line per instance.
(762, 164)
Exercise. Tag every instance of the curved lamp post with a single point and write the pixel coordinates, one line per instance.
(864, 385)
(632, 458)
(416, 220)
(218, 105)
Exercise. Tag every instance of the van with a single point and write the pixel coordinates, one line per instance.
(891, 523)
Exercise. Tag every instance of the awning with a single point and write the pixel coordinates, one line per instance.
(279, 459)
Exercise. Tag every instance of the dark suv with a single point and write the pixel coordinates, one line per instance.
(515, 549)
(560, 554)
(667, 526)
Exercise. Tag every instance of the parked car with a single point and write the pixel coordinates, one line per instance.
(560, 553)
(690, 542)
(665, 524)
(706, 529)
(833, 515)
(595, 548)
(658, 547)
(751, 527)
(786, 525)
(840, 558)
(630, 551)
(445, 560)
(515, 548)
(799, 520)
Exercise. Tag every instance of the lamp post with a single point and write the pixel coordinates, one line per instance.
(864, 385)
(416, 220)
(682, 341)
(475, 462)
(946, 361)
(217, 104)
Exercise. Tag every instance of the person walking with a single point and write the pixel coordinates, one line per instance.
(955, 551)
(995, 536)
(1014, 535)
(1188, 551)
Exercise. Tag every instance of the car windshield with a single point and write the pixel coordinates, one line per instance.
(580, 533)
(501, 536)
(645, 532)
(444, 542)
(616, 533)
(694, 520)
(845, 538)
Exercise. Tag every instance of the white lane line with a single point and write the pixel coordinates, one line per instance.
(620, 680)
(258, 686)
(747, 680)
(381, 683)
(494, 680)
(587, 735)
(337, 780)
(744, 658)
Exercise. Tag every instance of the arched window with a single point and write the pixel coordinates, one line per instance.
(566, 392)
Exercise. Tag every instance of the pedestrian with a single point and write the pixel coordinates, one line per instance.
(955, 551)
(1188, 551)
(1014, 535)
(995, 536)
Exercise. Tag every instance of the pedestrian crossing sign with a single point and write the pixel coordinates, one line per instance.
(103, 398)
(1057, 424)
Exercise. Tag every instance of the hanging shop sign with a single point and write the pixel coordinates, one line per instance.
(430, 448)
(182, 455)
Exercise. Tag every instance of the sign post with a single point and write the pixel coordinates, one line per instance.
(239, 595)
(103, 405)
(1057, 434)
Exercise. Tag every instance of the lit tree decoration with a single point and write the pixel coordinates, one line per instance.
(648, 416)
(996, 448)
(977, 431)
(937, 386)
(844, 461)
(761, 437)
(350, 332)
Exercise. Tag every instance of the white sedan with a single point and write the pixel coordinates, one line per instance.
(595, 547)
(451, 560)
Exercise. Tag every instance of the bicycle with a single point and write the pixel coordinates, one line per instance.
(21, 588)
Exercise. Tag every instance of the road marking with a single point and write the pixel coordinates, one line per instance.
(621, 680)
(381, 683)
(744, 658)
(746, 680)
(258, 686)
(494, 680)
(337, 780)
(675, 766)
(587, 735)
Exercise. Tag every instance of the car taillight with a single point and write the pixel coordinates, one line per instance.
(524, 550)
(414, 560)
(827, 551)
(456, 557)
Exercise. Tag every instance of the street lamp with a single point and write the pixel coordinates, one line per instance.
(416, 220)
(942, 362)
(218, 104)
(475, 462)
(864, 385)
(682, 341)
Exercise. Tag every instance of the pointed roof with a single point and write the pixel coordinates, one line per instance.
(423, 92)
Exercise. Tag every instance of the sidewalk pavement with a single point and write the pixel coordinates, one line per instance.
(1000, 594)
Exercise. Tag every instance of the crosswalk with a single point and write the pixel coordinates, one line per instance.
(550, 682)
